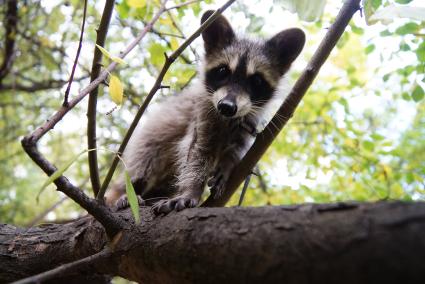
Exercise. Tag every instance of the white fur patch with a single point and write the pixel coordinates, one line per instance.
(250, 68)
(244, 105)
(233, 62)
(218, 96)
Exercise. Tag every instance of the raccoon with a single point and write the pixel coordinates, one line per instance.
(195, 138)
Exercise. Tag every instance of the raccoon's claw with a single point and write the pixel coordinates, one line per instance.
(123, 203)
(177, 203)
(217, 185)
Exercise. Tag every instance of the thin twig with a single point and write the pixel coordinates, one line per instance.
(43, 214)
(83, 264)
(244, 188)
(102, 31)
(286, 111)
(169, 60)
(80, 44)
(55, 118)
(182, 5)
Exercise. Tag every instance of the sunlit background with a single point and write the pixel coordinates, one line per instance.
(359, 134)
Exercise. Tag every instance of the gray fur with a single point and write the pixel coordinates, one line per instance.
(186, 142)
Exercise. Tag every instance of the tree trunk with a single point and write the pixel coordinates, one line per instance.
(333, 243)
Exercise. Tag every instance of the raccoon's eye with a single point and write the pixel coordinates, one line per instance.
(222, 72)
(257, 81)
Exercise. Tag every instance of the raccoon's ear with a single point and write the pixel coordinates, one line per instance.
(218, 34)
(285, 47)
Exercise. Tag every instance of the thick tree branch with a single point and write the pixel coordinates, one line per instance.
(80, 45)
(323, 243)
(102, 31)
(286, 111)
(157, 85)
(11, 20)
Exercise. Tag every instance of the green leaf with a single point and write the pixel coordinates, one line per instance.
(370, 48)
(58, 173)
(420, 52)
(377, 137)
(370, 7)
(408, 28)
(404, 46)
(307, 10)
(116, 90)
(368, 145)
(403, 1)
(386, 77)
(156, 51)
(132, 198)
(418, 93)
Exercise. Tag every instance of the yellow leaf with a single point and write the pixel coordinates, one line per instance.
(136, 3)
(104, 51)
(117, 59)
(166, 21)
(174, 43)
(116, 90)
(108, 55)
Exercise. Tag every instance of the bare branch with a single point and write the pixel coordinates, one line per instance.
(91, 109)
(285, 112)
(11, 20)
(43, 214)
(83, 264)
(169, 60)
(99, 211)
(80, 44)
(182, 4)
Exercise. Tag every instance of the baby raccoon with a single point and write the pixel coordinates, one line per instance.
(195, 138)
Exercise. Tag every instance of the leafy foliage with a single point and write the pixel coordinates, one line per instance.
(358, 134)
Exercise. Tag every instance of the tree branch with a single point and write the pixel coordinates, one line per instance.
(157, 85)
(11, 21)
(80, 266)
(286, 111)
(102, 213)
(102, 31)
(182, 4)
(307, 243)
(80, 44)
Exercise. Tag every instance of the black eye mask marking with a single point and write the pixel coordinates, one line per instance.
(218, 77)
(260, 90)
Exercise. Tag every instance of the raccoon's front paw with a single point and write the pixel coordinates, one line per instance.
(123, 203)
(217, 183)
(177, 203)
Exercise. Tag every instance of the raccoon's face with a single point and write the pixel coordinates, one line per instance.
(242, 74)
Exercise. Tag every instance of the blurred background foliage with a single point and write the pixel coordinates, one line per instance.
(359, 134)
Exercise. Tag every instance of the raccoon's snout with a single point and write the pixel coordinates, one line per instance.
(227, 107)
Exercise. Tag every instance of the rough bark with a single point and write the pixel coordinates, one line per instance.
(349, 242)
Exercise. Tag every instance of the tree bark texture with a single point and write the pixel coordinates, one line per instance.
(323, 243)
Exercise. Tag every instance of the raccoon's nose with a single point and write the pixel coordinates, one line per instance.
(227, 107)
